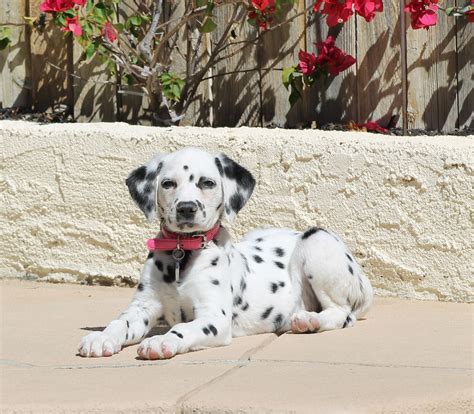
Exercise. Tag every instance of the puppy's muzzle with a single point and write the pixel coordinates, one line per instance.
(186, 210)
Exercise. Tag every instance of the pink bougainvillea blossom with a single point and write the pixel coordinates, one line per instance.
(333, 58)
(368, 8)
(261, 12)
(109, 31)
(372, 126)
(307, 63)
(339, 11)
(53, 6)
(73, 26)
(423, 13)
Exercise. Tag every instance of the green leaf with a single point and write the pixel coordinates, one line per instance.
(99, 15)
(134, 21)
(5, 32)
(287, 76)
(90, 50)
(208, 26)
(119, 27)
(201, 3)
(4, 43)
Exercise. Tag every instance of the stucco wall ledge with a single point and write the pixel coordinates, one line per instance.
(403, 205)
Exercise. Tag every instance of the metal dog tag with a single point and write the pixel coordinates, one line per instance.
(178, 255)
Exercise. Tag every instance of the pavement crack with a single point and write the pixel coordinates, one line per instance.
(244, 360)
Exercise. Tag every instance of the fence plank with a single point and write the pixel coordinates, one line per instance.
(51, 60)
(236, 96)
(379, 82)
(279, 49)
(14, 60)
(335, 96)
(465, 51)
(133, 104)
(94, 90)
(432, 86)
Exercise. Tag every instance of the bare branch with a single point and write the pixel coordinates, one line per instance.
(145, 47)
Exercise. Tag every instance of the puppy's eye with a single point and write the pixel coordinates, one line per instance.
(166, 184)
(207, 183)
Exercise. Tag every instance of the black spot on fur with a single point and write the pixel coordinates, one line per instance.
(280, 265)
(219, 166)
(351, 270)
(219, 206)
(259, 240)
(310, 232)
(279, 251)
(185, 167)
(179, 335)
(191, 177)
(145, 321)
(237, 202)
(200, 205)
(243, 284)
(213, 329)
(140, 287)
(257, 258)
(257, 248)
(150, 255)
(214, 261)
(206, 331)
(349, 257)
(277, 322)
(223, 312)
(267, 312)
(183, 315)
(126, 336)
(234, 315)
(215, 282)
(128, 324)
(245, 307)
(274, 287)
(159, 265)
(347, 322)
(282, 284)
(237, 301)
(310, 277)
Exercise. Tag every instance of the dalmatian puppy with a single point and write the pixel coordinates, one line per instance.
(274, 280)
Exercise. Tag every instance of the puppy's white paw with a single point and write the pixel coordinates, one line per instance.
(98, 344)
(304, 321)
(159, 347)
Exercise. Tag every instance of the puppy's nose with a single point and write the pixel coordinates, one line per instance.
(186, 208)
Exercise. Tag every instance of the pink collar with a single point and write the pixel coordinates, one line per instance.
(176, 241)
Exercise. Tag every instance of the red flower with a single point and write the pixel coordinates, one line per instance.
(368, 8)
(333, 58)
(109, 32)
(337, 11)
(51, 6)
(372, 126)
(73, 26)
(261, 12)
(307, 63)
(423, 13)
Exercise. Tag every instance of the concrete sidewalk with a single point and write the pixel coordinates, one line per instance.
(408, 356)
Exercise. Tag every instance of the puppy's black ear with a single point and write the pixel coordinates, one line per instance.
(142, 184)
(237, 184)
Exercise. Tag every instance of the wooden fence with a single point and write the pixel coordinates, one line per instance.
(430, 86)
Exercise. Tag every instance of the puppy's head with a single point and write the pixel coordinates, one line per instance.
(190, 190)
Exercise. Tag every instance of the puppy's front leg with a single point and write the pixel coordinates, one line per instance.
(212, 327)
(132, 325)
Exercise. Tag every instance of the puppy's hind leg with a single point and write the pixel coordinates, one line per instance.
(337, 281)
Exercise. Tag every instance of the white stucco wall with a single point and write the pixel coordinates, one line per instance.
(404, 205)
